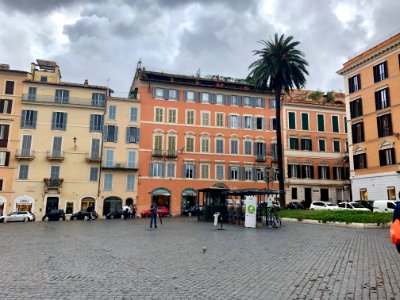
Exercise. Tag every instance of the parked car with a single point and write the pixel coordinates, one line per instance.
(352, 206)
(81, 215)
(162, 211)
(323, 205)
(295, 205)
(55, 215)
(367, 204)
(193, 211)
(118, 214)
(384, 206)
(18, 216)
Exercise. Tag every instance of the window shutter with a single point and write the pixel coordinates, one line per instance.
(263, 102)
(254, 171)
(7, 161)
(289, 171)
(165, 94)
(151, 170)
(386, 69)
(298, 171)
(239, 100)
(91, 127)
(271, 124)
(382, 161)
(310, 143)
(116, 134)
(239, 122)
(194, 171)
(184, 171)
(230, 121)
(53, 121)
(185, 95)
(23, 117)
(303, 171)
(263, 124)
(254, 121)
(9, 108)
(359, 81)
(328, 172)
(197, 97)
(312, 172)
(265, 171)
(64, 125)
(212, 98)
(264, 149)
(273, 174)
(230, 173)
(334, 173)
(105, 133)
(377, 100)
(137, 135)
(376, 73)
(241, 173)
(127, 135)
(319, 172)
(387, 96)
(224, 99)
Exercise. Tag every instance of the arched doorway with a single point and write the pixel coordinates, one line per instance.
(162, 197)
(111, 204)
(2, 205)
(129, 202)
(189, 198)
(86, 202)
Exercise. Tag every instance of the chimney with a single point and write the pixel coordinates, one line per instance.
(86, 82)
(4, 67)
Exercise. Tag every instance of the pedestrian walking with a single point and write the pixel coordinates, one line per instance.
(89, 211)
(134, 211)
(396, 216)
(153, 215)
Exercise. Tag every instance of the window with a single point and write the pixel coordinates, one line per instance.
(32, 93)
(220, 99)
(337, 173)
(380, 72)
(69, 208)
(190, 117)
(304, 121)
(112, 112)
(323, 172)
(205, 98)
(189, 144)
(354, 83)
(321, 122)
(293, 171)
(62, 96)
(57, 146)
(246, 101)
(234, 173)
(294, 193)
(173, 94)
(171, 143)
(307, 171)
(130, 182)
(4, 130)
(234, 146)
(382, 99)
(219, 146)
(9, 88)
(28, 119)
(94, 174)
(357, 132)
(335, 123)
(205, 118)
(5, 106)
(259, 102)
(260, 149)
(259, 174)
(98, 99)
(356, 108)
(59, 121)
(293, 143)
(190, 96)
(23, 172)
(110, 133)
(384, 125)
(272, 124)
(96, 123)
(391, 193)
(134, 114)
(109, 158)
(363, 194)
(292, 120)
(132, 159)
(247, 147)
(272, 103)
(189, 170)
(387, 157)
(132, 135)
(248, 174)
(4, 158)
(43, 78)
(360, 161)
(205, 144)
(322, 145)
(233, 121)
(108, 180)
(274, 150)
(171, 170)
(234, 100)
(26, 145)
(158, 142)
(159, 93)
(345, 124)
(247, 122)
(336, 146)
(219, 120)
(219, 171)
(306, 144)
(55, 172)
(260, 123)
(156, 169)
(172, 115)
(205, 170)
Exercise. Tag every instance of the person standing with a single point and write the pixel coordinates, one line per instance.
(134, 211)
(396, 216)
(89, 211)
(153, 214)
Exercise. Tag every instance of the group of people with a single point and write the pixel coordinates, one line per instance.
(129, 211)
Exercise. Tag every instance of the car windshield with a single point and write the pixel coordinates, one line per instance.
(357, 205)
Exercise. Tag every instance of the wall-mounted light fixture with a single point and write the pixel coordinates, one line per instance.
(74, 139)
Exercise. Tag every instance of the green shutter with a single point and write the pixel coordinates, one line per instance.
(304, 121)
(321, 125)
(335, 123)
(292, 120)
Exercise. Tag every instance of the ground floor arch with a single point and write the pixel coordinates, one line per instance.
(3, 205)
(162, 197)
(112, 204)
(189, 198)
(129, 202)
(24, 203)
(87, 201)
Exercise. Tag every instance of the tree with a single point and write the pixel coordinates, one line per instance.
(280, 67)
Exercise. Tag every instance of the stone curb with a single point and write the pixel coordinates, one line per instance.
(340, 224)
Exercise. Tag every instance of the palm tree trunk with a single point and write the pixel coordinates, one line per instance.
(279, 146)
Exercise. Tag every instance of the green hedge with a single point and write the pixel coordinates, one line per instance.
(346, 216)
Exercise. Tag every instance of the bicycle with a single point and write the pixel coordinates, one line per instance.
(273, 219)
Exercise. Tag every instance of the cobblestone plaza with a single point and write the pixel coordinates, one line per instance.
(116, 259)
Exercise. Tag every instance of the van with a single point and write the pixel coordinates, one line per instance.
(384, 206)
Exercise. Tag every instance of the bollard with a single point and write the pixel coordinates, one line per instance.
(216, 215)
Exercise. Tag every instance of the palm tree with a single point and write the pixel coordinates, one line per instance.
(280, 67)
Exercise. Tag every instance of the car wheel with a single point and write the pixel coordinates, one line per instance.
(75, 218)
(112, 217)
(26, 220)
(60, 218)
(189, 214)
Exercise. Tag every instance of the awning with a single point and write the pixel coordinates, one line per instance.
(161, 192)
(189, 193)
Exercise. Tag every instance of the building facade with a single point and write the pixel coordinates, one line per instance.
(315, 149)
(372, 103)
(11, 85)
(199, 133)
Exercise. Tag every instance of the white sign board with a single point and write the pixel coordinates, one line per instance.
(251, 212)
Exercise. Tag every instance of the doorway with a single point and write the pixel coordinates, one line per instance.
(111, 204)
(189, 199)
(324, 194)
(52, 204)
(307, 197)
(162, 197)
(86, 202)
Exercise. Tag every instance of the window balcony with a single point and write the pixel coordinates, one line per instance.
(158, 153)
(171, 154)
(260, 158)
(55, 155)
(121, 166)
(52, 184)
(25, 154)
(63, 100)
(93, 157)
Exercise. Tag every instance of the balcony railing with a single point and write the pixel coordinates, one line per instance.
(93, 157)
(261, 158)
(53, 182)
(25, 154)
(121, 166)
(158, 153)
(63, 100)
(171, 154)
(55, 155)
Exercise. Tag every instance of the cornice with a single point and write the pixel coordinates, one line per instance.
(314, 105)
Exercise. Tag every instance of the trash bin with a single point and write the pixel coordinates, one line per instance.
(216, 215)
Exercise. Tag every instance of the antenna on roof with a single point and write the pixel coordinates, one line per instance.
(139, 64)
(198, 73)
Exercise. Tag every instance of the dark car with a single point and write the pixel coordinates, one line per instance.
(118, 214)
(295, 205)
(367, 204)
(81, 215)
(193, 211)
(55, 215)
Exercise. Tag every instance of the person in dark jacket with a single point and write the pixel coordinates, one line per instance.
(89, 211)
(153, 215)
(396, 216)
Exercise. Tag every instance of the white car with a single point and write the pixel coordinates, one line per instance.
(323, 205)
(352, 206)
(18, 216)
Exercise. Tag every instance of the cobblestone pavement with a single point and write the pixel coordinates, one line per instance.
(117, 259)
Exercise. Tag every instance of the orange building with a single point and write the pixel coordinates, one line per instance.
(198, 133)
(372, 100)
(315, 148)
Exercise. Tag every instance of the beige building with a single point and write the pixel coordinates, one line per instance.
(120, 152)
(60, 144)
(11, 84)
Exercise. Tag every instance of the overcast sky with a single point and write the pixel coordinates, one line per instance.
(102, 40)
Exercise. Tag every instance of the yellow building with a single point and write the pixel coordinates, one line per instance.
(372, 104)
(60, 145)
(120, 154)
(11, 84)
